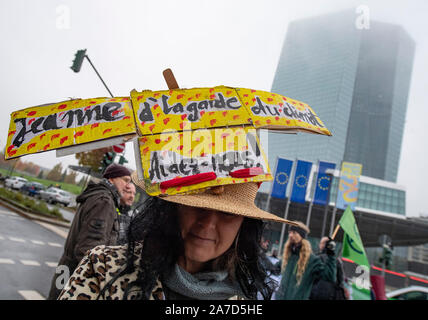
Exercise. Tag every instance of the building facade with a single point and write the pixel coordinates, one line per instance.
(357, 81)
(374, 195)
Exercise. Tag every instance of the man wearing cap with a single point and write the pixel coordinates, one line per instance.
(301, 268)
(95, 223)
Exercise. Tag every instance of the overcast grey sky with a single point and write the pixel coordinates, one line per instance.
(206, 43)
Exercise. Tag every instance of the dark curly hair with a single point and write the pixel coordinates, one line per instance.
(156, 223)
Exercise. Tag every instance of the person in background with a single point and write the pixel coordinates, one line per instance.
(126, 213)
(273, 258)
(348, 289)
(275, 274)
(327, 290)
(95, 223)
(300, 267)
(269, 262)
(272, 269)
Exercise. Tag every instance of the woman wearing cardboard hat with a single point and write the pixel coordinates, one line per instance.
(195, 246)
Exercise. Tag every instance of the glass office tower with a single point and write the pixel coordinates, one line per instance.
(357, 81)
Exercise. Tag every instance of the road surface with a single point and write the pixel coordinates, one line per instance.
(29, 253)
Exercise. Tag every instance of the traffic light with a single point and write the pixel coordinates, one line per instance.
(386, 257)
(78, 60)
(122, 160)
(108, 159)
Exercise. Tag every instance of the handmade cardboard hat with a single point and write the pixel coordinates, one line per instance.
(237, 199)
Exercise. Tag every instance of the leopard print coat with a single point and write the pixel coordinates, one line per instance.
(98, 267)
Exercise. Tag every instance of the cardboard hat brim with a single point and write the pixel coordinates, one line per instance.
(237, 199)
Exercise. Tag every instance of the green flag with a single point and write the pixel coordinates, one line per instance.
(352, 248)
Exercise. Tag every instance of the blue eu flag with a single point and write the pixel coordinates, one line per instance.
(301, 178)
(323, 183)
(282, 177)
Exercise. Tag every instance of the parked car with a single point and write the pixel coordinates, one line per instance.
(15, 182)
(32, 188)
(409, 293)
(55, 195)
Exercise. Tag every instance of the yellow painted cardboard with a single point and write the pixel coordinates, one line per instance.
(54, 126)
(164, 111)
(68, 123)
(276, 112)
(168, 156)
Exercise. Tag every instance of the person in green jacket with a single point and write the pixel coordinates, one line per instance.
(300, 267)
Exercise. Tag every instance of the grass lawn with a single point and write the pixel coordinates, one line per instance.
(72, 188)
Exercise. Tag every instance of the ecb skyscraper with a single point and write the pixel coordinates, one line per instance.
(357, 81)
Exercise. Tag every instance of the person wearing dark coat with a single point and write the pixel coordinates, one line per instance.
(327, 290)
(301, 268)
(267, 264)
(95, 223)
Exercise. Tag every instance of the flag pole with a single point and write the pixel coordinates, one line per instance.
(333, 214)
(287, 206)
(335, 232)
(271, 187)
(308, 216)
(267, 203)
(283, 226)
(327, 205)
(333, 218)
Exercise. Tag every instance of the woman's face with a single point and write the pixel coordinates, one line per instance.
(207, 234)
(294, 237)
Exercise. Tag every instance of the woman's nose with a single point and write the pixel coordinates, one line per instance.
(208, 218)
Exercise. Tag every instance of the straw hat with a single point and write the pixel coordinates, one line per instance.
(236, 199)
